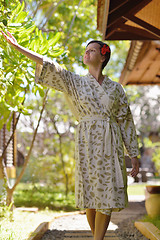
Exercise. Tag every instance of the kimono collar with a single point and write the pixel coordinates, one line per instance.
(90, 76)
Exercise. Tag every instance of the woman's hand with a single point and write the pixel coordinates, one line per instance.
(135, 167)
(28, 53)
(10, 39)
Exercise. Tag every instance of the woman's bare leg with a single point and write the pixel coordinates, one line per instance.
(101, 225)
(91, 214)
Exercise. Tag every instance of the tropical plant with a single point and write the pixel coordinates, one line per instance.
(17, 73)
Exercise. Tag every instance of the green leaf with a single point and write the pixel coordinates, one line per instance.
(8, 125)
(5, 22)
(40, 35)
(18, 9)
(55, 39)
(21, 17)
(23, 109)
(56, 53)
(27, 30)
(41, 92)
(35, 44)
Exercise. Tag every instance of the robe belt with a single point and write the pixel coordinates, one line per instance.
(112, 120)
(95, 118)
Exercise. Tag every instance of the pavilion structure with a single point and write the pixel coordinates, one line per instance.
(138, 21)
(142, 65)
(128, 19)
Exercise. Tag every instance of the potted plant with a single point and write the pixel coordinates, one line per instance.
(152, 202)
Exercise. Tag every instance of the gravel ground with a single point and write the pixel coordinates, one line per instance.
(125, 230)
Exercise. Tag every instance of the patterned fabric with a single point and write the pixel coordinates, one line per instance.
(105, 122)
(105, 211)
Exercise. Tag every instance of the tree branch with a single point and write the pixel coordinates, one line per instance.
(49, 14)
(2, 164)
(48, 30)
(32, 143)
(35, 12)
(60, 151)
(72, 22)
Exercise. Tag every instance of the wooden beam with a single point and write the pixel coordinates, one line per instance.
(143, 83)
(140, 32)
(110, 30)
(152, 71)
(129, 7)
(148, 27)
(114, 5)
(121, 28)
(105, 18)
(123, 35)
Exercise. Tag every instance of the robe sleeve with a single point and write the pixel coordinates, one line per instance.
(126, 124)
(51, 74)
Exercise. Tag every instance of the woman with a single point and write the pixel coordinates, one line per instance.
(105, 122)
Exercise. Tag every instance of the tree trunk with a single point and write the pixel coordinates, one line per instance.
(9, 199)
(61, 154)
(9, 190)
(63, 164)
(32, 144)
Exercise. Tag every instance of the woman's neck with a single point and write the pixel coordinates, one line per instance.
(97, 74)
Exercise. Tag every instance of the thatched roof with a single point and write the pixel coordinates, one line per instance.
(129, 19)
(142, 65)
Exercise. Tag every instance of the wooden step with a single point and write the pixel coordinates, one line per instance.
(82, 235)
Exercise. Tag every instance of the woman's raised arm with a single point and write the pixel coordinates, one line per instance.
(30, 54)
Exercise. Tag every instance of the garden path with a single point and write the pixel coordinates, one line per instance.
(121, 227)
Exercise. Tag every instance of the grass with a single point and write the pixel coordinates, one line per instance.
(154, 221)
(136, 189)
(23, 224)
(50, 202)
(28, 195)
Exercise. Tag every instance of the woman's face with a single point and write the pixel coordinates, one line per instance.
(92, 55)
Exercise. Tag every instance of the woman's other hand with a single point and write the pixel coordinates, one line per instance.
(135, 167)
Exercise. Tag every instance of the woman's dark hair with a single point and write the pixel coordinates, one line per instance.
(104, 50)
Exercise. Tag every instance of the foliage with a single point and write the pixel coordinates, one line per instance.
(156, 158)
(5, 211)
(27, 195)
(145, 106)
(53, 155)
(17, 71)
(77, 22)
(144, 102)
(6, 11)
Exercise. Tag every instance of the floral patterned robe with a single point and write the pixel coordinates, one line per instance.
(105, 123)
